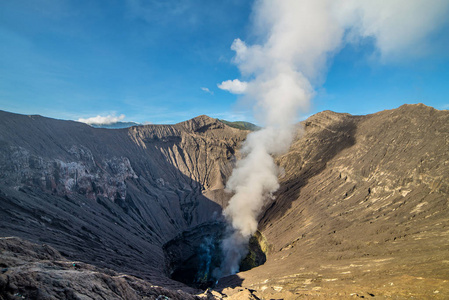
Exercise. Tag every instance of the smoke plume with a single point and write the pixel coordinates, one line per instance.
(298, 39)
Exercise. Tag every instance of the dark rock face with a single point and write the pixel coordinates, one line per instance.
(257, 252)
(361, 211)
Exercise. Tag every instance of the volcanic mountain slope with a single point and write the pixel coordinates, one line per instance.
(363, 209)
(112, 198)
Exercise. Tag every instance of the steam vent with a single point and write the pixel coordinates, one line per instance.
(195, 256)
(136, 213)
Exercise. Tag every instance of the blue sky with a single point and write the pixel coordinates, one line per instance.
(161, 61)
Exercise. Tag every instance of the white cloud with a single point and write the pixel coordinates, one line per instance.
(233, 86)
(400, 28)
(207, 90)
(109, 119)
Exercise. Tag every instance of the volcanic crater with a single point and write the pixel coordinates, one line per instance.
(136, 213)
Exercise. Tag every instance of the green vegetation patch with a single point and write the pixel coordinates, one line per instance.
(241, 125)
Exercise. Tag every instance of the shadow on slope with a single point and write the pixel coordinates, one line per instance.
(333, 133)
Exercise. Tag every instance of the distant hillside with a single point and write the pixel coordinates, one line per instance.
(237, 124)
(116, 125)
(241, 125)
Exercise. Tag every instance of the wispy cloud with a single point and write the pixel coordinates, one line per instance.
(207, 90)
(157, 11)
(233, 86)
(109, 119)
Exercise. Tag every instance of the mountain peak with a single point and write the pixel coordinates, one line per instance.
(200, 123)
(204, 119)
(415, 107)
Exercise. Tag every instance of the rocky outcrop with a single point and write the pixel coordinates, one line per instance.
(31, 271)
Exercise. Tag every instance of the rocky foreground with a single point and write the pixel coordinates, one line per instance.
(362, 211)
(31, 271)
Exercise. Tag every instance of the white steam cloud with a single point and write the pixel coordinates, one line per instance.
(401, 28)
(109, 119)
(300, 36)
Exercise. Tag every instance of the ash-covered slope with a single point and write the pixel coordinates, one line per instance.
(112, 197)
(363, 209)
